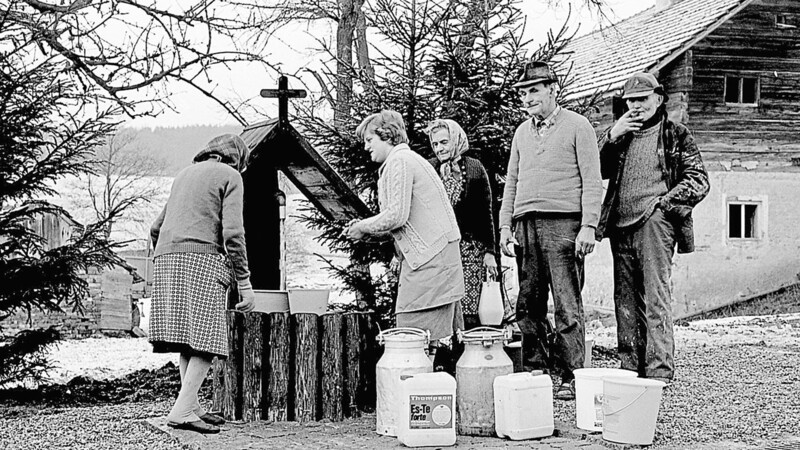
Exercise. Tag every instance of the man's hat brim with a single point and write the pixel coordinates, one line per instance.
(527, 83)
(639, 94)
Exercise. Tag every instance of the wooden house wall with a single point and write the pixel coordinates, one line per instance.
(750, 45)
(677, 80)
(54, 228)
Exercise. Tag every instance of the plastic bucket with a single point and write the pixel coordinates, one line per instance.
(589, 395)
(630, 409)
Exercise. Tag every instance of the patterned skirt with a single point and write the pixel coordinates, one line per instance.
(189, 301)
(472, 253)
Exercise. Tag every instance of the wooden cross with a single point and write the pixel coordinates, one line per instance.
(283, 93)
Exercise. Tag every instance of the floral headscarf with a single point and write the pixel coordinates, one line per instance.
(229, 149)
(458, 145)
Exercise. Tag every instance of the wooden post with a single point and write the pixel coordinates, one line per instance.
(279, 368)
(370, 354)
(218, 384)
(352, 364)
(332, 367)
(252, 373)
(232, 400)
(306, 363)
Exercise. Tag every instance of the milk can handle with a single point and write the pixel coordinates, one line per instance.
(465, 336)
(392, 331)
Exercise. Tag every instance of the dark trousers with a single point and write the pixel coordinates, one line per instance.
(547, 262)
(642, 296)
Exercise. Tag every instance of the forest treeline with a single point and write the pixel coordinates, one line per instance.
(176, 146)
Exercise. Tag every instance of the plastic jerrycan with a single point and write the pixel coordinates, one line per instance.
(483, 360)
(404, 354)
(523, 405)
(428, 410)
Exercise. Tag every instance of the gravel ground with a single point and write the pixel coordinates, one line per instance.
(94, 428)
(737, 382)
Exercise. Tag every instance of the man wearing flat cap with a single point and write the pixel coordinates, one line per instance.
(551, 202)
(656, 176)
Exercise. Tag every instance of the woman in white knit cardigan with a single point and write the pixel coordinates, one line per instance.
(415, 210)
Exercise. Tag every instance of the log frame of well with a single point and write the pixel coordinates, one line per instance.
(296, 367)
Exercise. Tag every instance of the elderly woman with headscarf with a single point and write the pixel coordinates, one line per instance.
(468, 188)
(199, 251)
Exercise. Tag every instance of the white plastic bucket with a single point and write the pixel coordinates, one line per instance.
(630, 409)
(589, 395)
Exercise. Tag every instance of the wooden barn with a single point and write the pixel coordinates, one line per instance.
(109, 307)
(732, 71)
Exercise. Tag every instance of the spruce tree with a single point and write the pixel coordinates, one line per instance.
(453, 59)
(45, 135)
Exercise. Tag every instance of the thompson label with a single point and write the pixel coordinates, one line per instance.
(430, 412)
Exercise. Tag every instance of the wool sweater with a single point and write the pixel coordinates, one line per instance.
(642, 184)
(414, 207)
(557, 172)
(204, 215)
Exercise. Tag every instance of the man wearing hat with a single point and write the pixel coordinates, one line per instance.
(656, 176)
(551, 202)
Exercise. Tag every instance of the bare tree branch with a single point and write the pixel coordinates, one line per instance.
(128, 51)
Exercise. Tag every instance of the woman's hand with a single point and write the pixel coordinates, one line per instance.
(352, 232)
(248, 298)
(491, 265)
(394, 264)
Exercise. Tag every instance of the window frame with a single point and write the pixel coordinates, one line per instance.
(757, 231)
(781, 21)
(740, 90)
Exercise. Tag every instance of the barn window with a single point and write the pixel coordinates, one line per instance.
(784, 21)
(743, 220)
(741, 90)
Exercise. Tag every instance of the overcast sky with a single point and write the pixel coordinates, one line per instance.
(295, 49)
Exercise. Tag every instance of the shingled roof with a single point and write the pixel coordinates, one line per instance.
(603, 60)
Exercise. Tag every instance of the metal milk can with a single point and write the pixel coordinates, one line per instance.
(482, 361)
(404, 354)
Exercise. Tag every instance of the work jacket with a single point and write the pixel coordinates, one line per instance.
(681, 167)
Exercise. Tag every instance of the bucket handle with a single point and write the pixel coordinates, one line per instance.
(611, 413)
(393, 331)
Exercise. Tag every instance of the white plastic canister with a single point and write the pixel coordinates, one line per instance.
(523, 405)
(427, 416)
(483, 360)
(589, 395)
(404, 354)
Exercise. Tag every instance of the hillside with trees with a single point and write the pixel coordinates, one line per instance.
(176, 146)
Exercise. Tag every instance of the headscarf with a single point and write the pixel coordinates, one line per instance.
(458, 145)
(229, 149)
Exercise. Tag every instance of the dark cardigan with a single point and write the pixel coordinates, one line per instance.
(474, 208)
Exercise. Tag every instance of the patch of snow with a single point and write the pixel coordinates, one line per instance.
(104, 358)
(780, 330)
